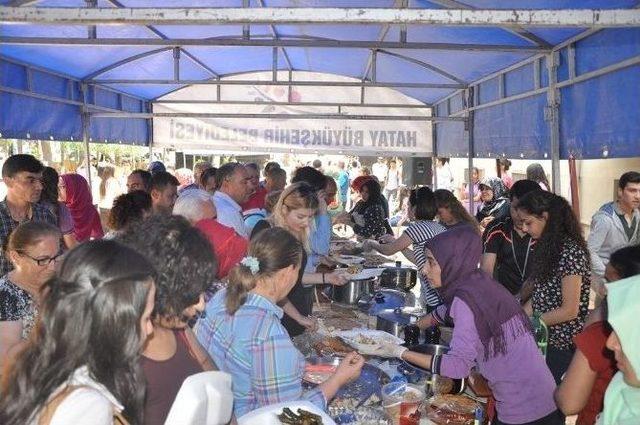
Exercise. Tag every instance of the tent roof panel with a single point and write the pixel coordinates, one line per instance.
(147, 91)
(71, 60)
(467, 65)
(348, 62)
(394, 69)
(463, 35)
(484, 63)
(556, 35)
(157, 66)
(231, 60)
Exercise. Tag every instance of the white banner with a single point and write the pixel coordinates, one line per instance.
(362, 137)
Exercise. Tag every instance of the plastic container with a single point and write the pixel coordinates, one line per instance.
(401, 399)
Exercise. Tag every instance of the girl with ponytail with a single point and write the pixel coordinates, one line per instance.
(82, 362)
(243, 333)
(561, 273)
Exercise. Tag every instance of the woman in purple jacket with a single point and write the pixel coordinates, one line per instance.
(491, 333)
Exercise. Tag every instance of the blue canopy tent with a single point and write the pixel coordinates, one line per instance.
(535, 79)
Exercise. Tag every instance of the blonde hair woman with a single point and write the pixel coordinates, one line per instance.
(294, 212)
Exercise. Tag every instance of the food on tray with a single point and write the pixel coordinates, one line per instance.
(339, 323)
(402, 402)
(374, 260)
(365, 339)
(302, 417)
(452, 409)
(354, 269)
(351, 403)
(332, 345)
(316, 378)
(351, 250)
(442, 385)
(459, 403)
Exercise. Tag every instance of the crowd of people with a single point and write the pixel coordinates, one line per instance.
(218, 276)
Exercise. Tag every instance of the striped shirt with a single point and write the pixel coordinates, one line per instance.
(420, 232)
(254, 347)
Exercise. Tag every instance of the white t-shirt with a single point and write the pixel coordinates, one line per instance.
(444, 177)
(92, 404)
(112, 191)
(379, 170)
(393, 177)
(230, 213)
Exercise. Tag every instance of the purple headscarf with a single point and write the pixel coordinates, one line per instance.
(458, 252)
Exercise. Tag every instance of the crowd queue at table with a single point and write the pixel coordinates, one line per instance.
(102, 328)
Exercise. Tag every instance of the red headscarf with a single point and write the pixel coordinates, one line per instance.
(86, 220)
(357, 183)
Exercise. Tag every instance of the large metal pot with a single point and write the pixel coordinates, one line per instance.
(394, 320)
(433, 349)
(399, 277)
(440, 383)
(353, 290)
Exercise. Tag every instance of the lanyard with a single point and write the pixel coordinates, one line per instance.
(526, 257)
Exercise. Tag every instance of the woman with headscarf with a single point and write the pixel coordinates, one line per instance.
(622, 399)
(495, 204)
(74, 192)
(491, 332)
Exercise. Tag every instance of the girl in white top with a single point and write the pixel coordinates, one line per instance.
(109, 188)
(444, 175)
(82, 364)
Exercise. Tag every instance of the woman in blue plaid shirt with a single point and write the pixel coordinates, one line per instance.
(243, 333)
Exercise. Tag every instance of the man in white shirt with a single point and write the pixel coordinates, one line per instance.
(233, 189)
(380, 169)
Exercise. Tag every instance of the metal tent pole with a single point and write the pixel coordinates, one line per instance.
(434, 141)
(86, 122)
(469, 128)
(552, 115)
(579, 18)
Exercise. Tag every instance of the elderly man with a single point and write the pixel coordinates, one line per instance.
(198, 169)
(229, 247)
(234, 188)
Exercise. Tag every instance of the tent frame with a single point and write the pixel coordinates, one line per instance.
(455, 13)
(552, 112)
(606, 18)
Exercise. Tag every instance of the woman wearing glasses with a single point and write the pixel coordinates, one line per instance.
(33, 248)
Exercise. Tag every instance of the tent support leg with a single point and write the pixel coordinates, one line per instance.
(553, 116)
(86, 122)
(434, 140)
(469, 128)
